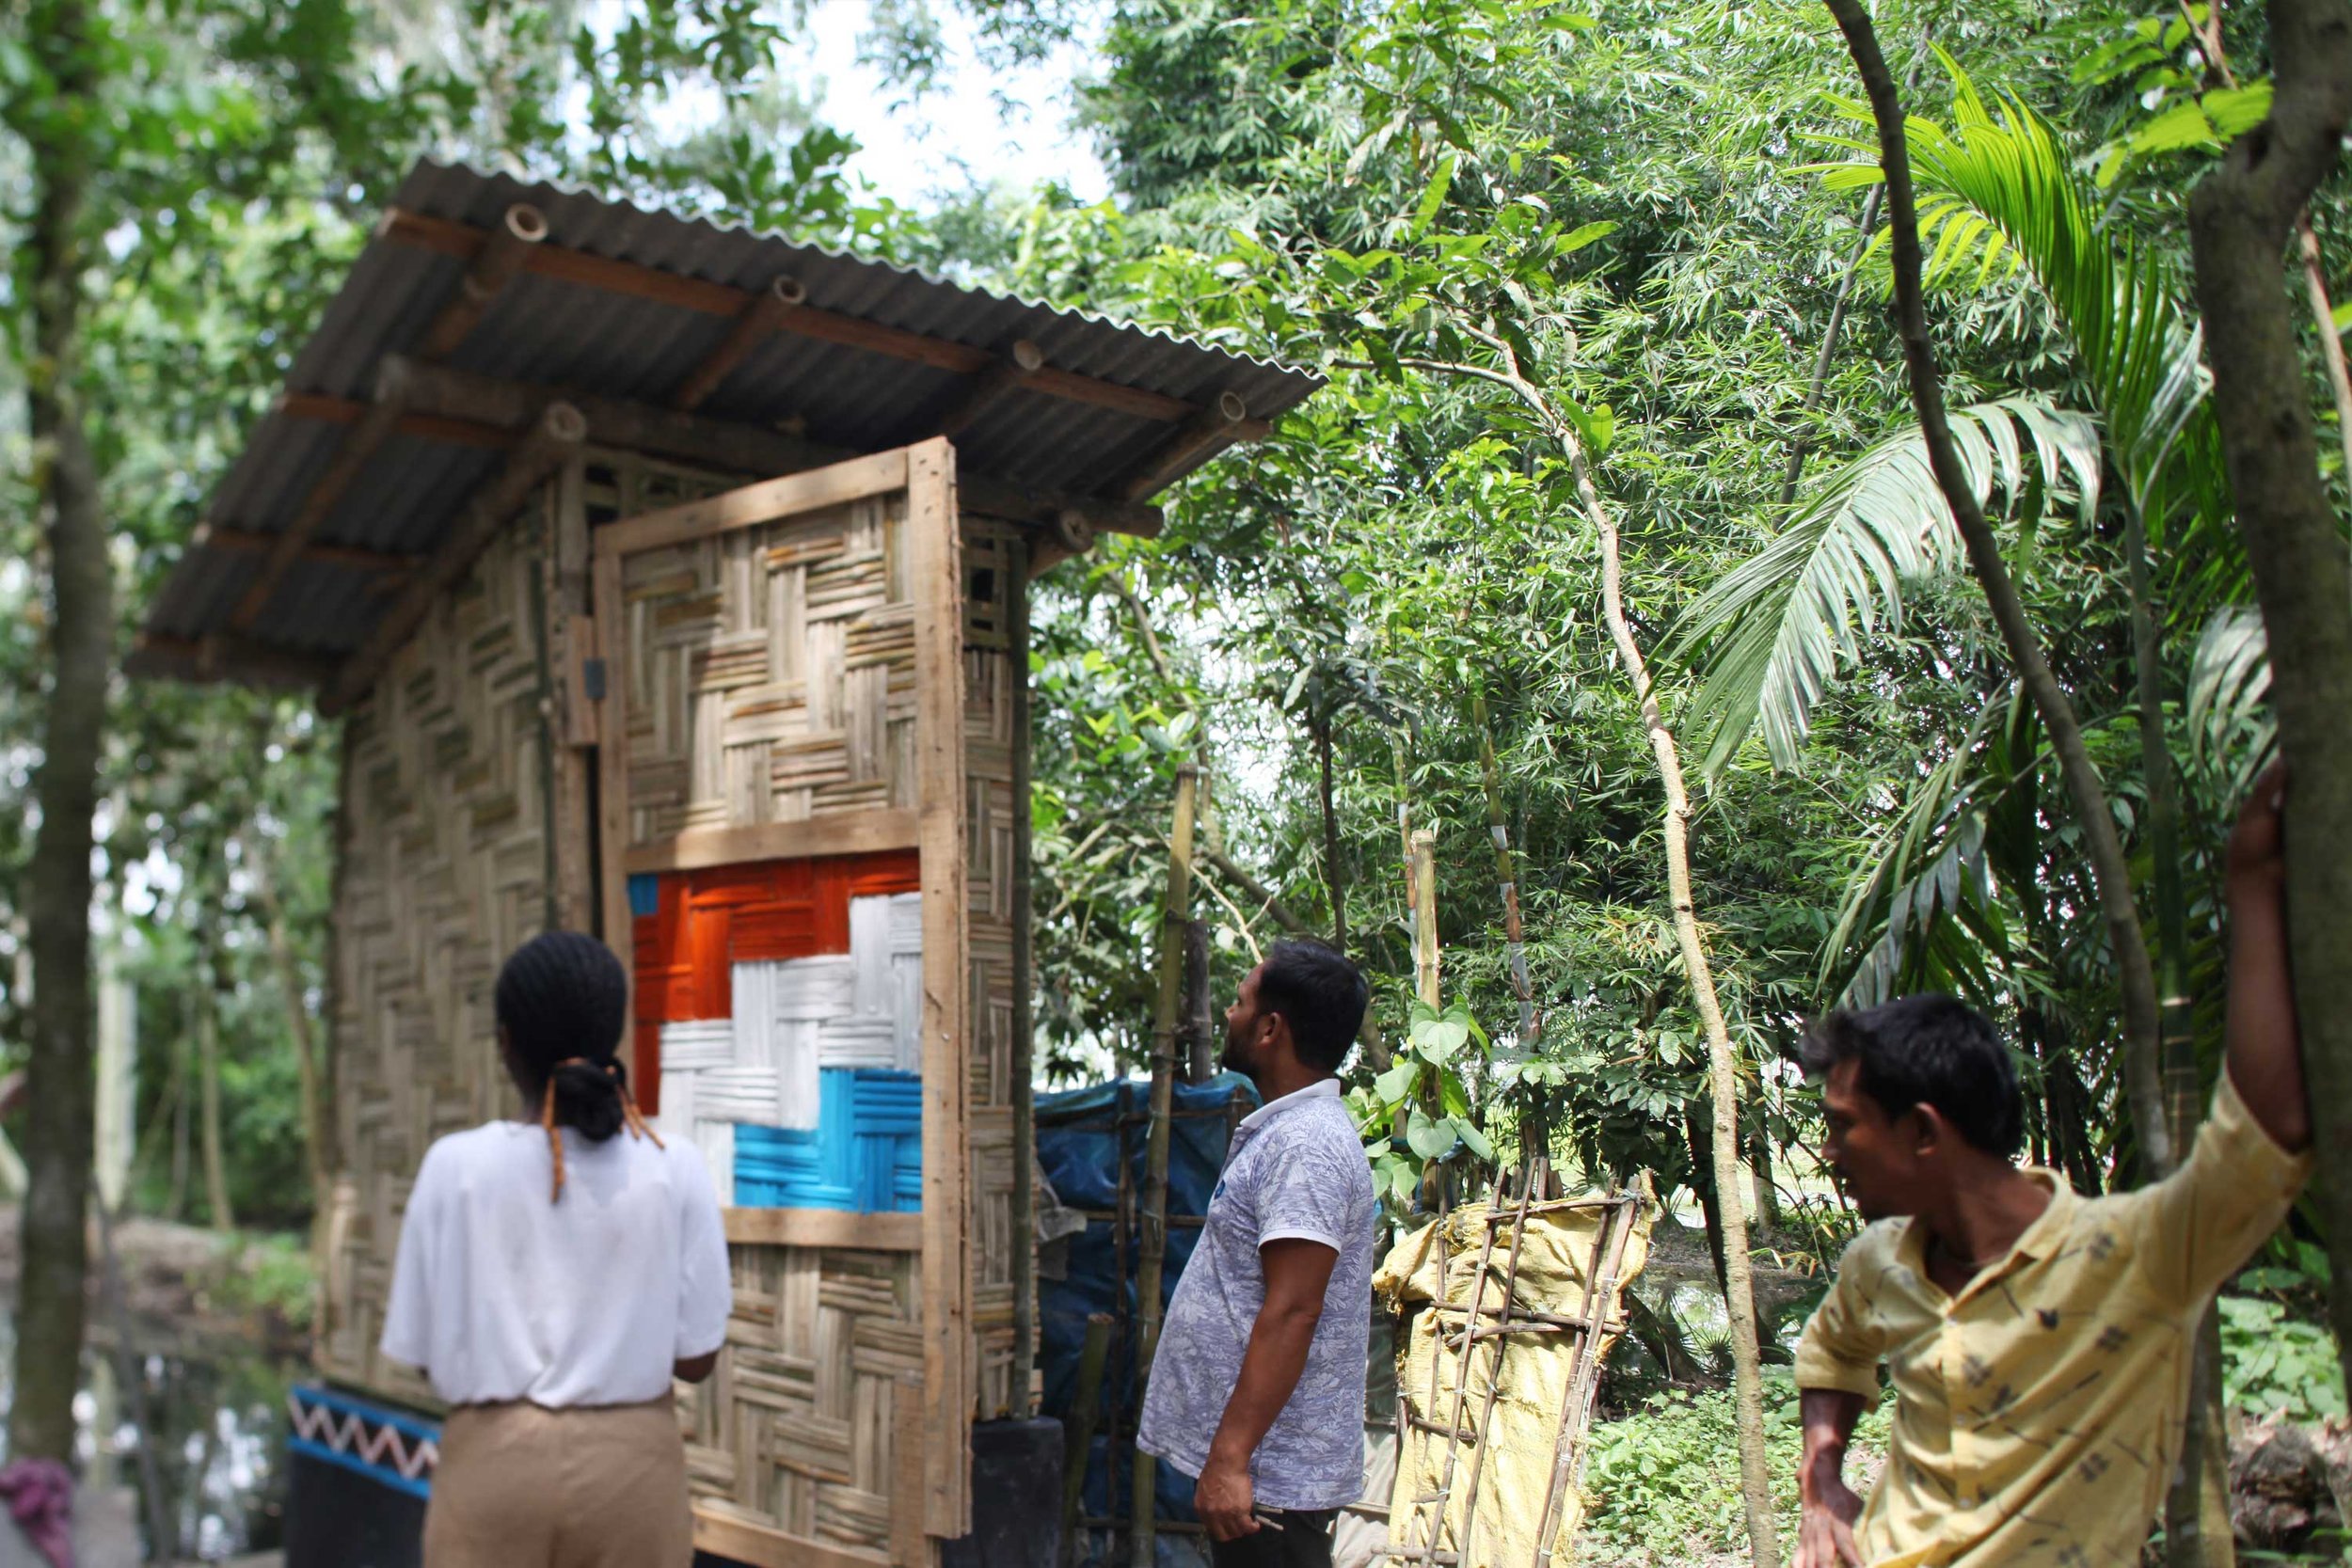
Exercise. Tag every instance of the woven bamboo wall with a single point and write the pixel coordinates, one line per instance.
(773, 683)
(993, 572)
(771, 674)
(445, 858)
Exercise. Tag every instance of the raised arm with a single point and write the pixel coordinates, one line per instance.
(1297, 1272)
(2265, 1050)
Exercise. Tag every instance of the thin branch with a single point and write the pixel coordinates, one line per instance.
(2111, 870)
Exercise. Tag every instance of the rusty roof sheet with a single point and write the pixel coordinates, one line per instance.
(559, 332)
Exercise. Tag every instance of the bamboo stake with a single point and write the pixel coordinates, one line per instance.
(1078, 1437)
(1405, 841)
(208, 1052)
(1153, 1251)
(1514, 945)
(1609, 1248)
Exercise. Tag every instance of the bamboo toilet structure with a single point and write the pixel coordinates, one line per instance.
(671, 583)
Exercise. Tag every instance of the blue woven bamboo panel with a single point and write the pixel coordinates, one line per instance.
(865, 1154)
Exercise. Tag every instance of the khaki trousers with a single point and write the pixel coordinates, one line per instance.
(518, 1486)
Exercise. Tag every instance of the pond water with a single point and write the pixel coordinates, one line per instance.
(218, 1411)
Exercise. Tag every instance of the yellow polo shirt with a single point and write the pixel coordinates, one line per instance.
(2037, 1413)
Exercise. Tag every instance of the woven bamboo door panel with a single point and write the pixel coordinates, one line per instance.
(784, 679)
(444, 871)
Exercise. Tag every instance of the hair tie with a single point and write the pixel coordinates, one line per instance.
(630, 1116)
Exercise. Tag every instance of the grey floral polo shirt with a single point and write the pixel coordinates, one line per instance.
(1296, 1169)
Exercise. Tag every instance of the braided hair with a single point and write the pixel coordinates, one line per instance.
(561, 999)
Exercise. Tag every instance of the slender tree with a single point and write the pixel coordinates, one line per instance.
(2241, 217)
(57, 123)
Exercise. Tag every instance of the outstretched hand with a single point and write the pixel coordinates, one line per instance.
(2256, 862)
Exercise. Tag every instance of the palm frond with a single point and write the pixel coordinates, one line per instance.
(2230, 729)
(2000, 192)
(1769, 636)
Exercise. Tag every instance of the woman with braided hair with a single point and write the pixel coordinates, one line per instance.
(554, 1276)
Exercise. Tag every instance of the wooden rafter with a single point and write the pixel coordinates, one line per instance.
(493, 267)
(358, 558)
(1016, 370)
(556, 434)
(323, 409)
(640, 281)
(762, 315)
(373, 428)
(225, 656)
(1209, 432)
(488, 402)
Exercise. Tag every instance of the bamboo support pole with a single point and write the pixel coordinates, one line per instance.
(1467, 1540)
(1424, 847)
(1567, 1451)
(1025, 1292)
(1153, 1250)
(1078, 1435)
(1514, 940)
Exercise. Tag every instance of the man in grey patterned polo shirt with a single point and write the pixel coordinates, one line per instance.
(1258, 1388)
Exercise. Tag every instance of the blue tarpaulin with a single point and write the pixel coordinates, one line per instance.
(1084, 1136)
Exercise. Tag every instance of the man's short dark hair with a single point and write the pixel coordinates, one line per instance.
(1319, 993)
(1927, 1049)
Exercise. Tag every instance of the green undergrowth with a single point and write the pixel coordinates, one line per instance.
(1662, 1484)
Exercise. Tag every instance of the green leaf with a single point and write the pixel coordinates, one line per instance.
(1472, 1138)
(1396, 1084)
(1438, 1038)
(1433, 197)
(2182, 125)
(1431, 1140)
(1577, 239)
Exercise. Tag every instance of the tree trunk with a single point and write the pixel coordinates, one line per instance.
(1200, 1010)
(57, 1139)
(319, 1158)
(1514, 940)
(1153, 1249)
(2195, 1536)
(1334, 875)
(224, 1219)
(2111, 871)
(1722, 1076)
(2240, 217)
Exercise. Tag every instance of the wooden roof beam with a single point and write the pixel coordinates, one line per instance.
(357, 557)
(373, 429)
(1015, 370)
(555, 436)
(494, 266)
(762, 316)
(1214, 429)
(323, 409)
(487, 402)
(225, 656)
(807, 320)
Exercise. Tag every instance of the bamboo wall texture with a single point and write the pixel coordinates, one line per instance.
(444, 872)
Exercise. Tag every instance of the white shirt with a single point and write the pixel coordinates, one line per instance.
(1296, 1170)
(501, 1295)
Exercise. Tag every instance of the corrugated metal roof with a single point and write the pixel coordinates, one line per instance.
(555, 332)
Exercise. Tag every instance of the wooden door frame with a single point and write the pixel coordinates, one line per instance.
(932, 539)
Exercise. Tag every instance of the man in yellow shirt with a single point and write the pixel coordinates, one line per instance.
(2039, 1342)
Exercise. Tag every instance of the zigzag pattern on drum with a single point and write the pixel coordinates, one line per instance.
(397, 1450)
